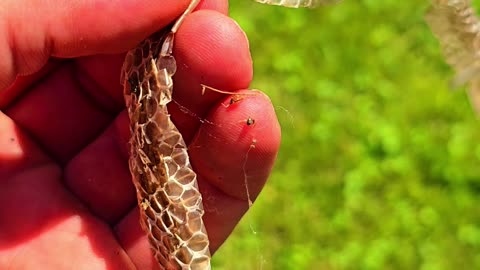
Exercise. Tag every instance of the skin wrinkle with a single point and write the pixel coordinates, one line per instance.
(107, 95)
(24, 60)
(82, 78)
(28, 44)
(68, 92)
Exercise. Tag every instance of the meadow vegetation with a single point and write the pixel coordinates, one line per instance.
(379, 166)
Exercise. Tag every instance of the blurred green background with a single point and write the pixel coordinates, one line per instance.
(379, 166)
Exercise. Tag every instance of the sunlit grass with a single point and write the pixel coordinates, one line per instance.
(380, 162)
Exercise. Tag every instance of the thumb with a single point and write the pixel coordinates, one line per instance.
(31, 31)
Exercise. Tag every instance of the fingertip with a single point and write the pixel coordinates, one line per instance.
(238, 145)
(211, 39)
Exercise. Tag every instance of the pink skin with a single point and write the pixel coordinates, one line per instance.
(66, 198)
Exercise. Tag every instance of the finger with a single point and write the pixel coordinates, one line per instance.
(235, 150)
(211, 49)
(40, 222)
(233, 158)
(226, 136)
(109, 65)
(69, 29)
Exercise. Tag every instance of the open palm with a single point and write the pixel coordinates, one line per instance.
(66, 197)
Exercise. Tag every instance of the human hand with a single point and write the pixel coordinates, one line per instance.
(66, 197)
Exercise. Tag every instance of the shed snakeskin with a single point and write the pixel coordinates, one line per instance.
(167, 191)
(168, 197)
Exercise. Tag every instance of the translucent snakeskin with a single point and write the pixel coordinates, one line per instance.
(170, 203)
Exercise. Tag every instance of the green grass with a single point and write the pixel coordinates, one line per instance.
(379, 166)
